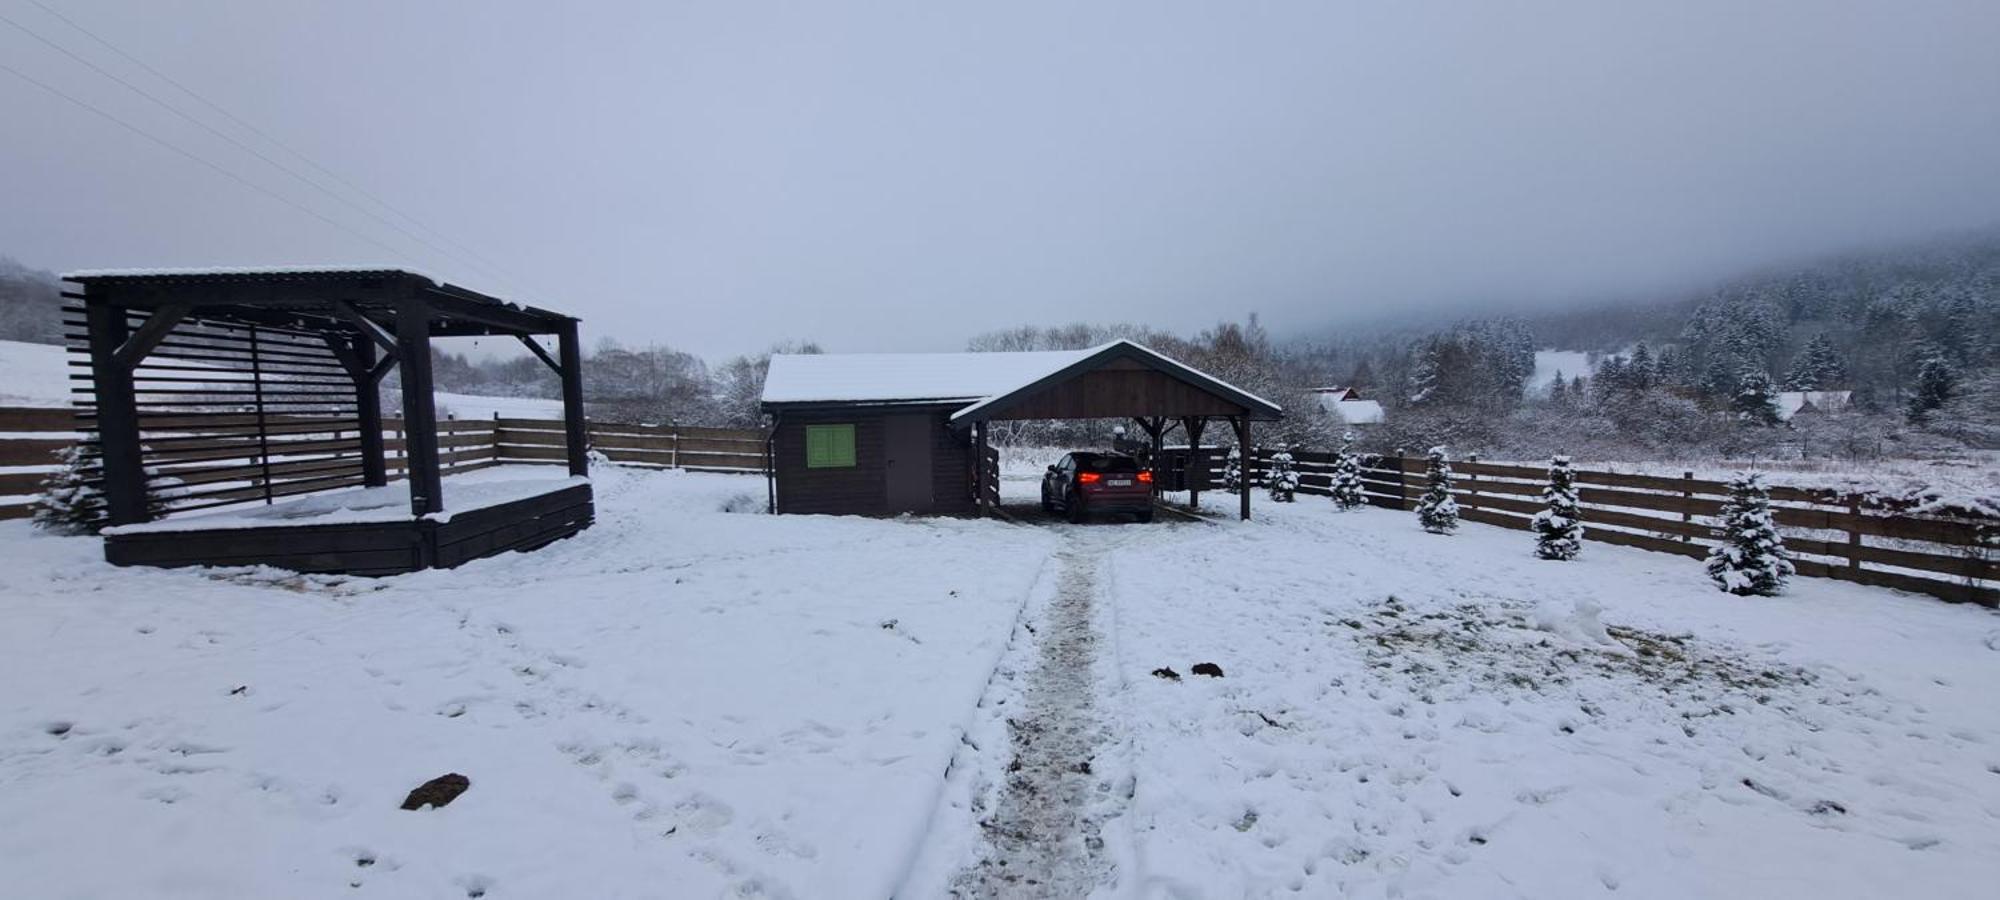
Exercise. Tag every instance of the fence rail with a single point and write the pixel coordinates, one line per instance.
(1854, 537)
(217, 458)
(1831, 534)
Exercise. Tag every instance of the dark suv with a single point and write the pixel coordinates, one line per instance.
(1083, 483)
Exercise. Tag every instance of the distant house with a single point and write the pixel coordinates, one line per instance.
(1792, 403)
(1348, 403)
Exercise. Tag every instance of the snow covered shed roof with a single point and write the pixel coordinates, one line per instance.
(905, 377)
(985, 382)
(1791, 403)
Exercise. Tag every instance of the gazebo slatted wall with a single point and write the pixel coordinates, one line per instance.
(232, 412)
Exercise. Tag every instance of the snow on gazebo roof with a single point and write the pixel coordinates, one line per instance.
(228, 271)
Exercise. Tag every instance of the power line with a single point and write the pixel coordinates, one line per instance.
(197, 158)
(243, 146)
(225, 113)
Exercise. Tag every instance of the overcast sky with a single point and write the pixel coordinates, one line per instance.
(900, 176)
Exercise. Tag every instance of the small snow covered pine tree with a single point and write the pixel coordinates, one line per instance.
(70, 503)
(1559, 528)
(1347, 475)
(1232, 471)
(1282, 479)
(1751, 558)
(1436, 510)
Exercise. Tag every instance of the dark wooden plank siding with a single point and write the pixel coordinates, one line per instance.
(1121, 390)
(376, 548)
(862, 489)
(951, 470)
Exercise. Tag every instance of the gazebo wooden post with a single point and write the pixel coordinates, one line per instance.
(1194, 425)
(368, 409)
(1242, 426)
(117, 416)
(420, 433)
(576, 430)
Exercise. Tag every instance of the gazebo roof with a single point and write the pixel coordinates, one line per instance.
(255, 293)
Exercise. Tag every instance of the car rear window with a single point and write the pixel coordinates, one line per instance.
(1107, 464)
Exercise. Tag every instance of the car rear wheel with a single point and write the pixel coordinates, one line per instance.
(1144, 517)
(1078, 512)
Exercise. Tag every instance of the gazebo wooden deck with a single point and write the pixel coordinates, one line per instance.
(213, 389)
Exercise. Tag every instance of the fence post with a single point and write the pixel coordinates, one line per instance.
(1687, 504)
(1854, 533)
(1402, 481)
(1472, 497)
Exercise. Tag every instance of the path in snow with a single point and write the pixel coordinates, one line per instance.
(1044, 838)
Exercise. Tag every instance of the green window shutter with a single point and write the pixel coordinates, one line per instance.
(829, 446)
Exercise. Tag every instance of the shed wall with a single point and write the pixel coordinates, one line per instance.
(863, 489)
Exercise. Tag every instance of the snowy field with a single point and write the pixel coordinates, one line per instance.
(36, 374)
(688, 701)
(679, 702)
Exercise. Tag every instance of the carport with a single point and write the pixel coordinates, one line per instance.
(893, 433)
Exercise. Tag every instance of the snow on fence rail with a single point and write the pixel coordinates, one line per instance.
(1853, 537)
(211, 461)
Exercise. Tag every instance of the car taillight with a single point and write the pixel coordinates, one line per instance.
(1145, 477)
(1088, 478)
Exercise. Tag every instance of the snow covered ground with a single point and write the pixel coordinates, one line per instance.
(684, 701)
(1396, 722)
(678, 702)
(475, 406)
(36, 374)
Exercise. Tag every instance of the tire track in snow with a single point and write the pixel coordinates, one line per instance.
(1044, 837)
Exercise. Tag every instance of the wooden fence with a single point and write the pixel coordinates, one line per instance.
(659, 446)
(302, 454)
(1830, 534)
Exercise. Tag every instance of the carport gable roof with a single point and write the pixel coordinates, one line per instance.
(995, 407)
(989, 382)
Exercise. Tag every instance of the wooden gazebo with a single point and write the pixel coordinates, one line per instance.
(209, 389)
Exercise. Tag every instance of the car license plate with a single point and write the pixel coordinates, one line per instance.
(1119, 482)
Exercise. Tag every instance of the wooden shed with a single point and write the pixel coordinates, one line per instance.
(881, 434)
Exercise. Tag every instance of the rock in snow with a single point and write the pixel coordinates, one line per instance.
(437, 792)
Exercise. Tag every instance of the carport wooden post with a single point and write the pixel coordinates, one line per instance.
(1242, 426)
(1194, 426)
(1155, 427)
